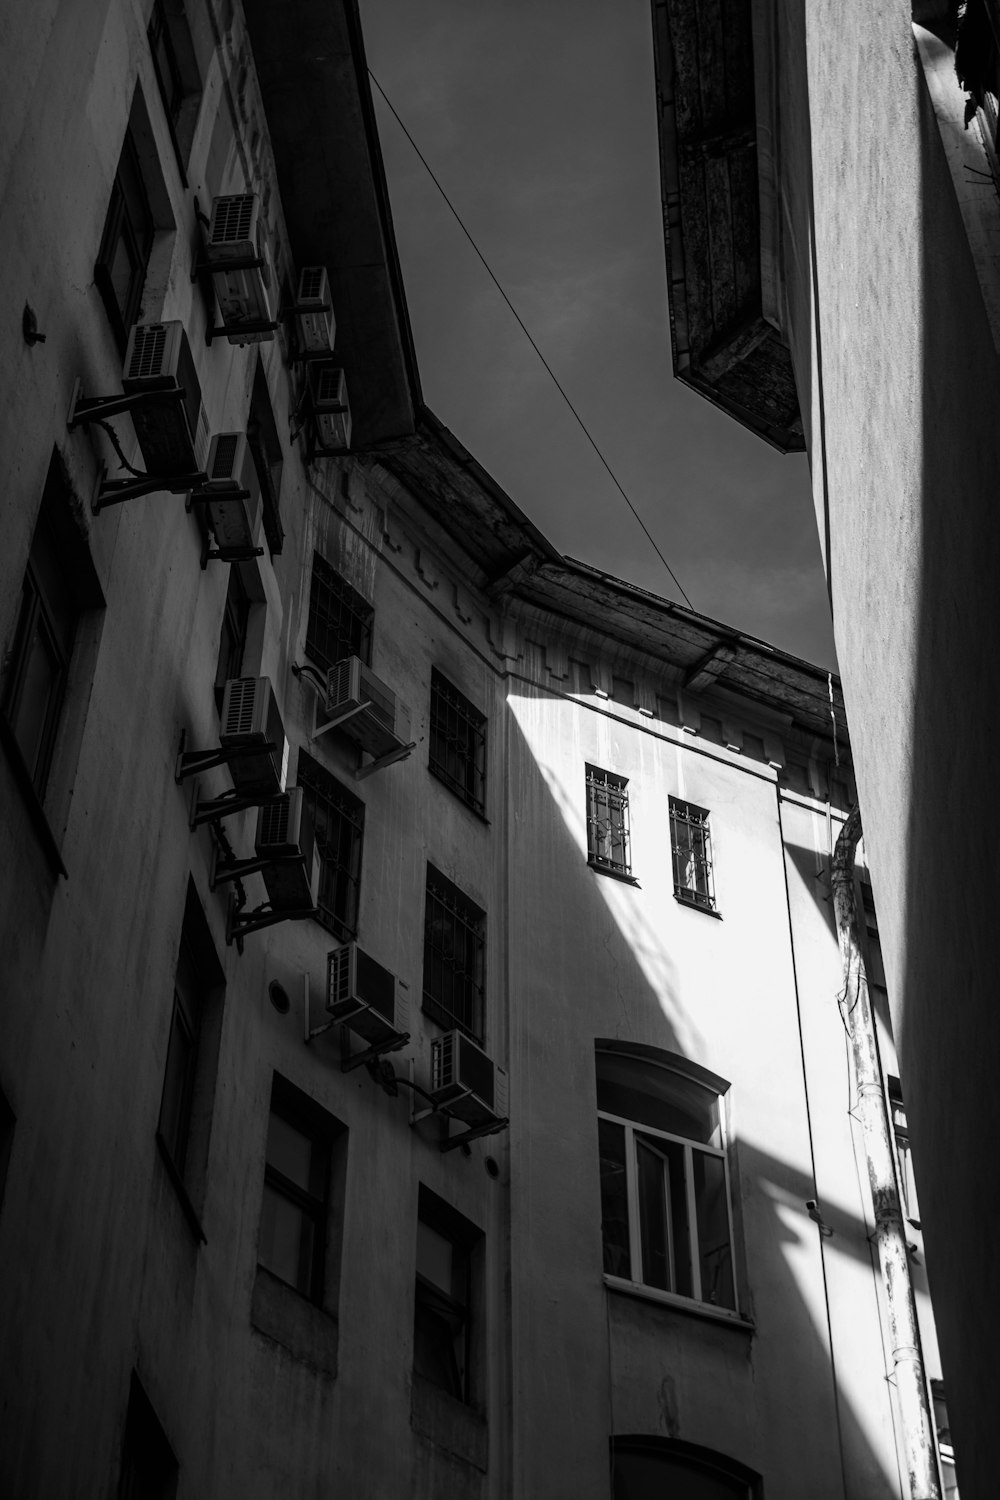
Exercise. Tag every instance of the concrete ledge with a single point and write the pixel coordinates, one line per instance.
(284, 1315)
(459, 1429)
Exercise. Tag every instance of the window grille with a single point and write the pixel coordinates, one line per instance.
(454, 957)
(608, 845)
(340, 621)
(338, 822)
(691, 849)
(458, 743)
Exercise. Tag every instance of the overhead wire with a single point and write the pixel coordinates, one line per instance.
(524, 329)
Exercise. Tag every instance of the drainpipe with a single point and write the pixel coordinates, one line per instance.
(890, 1234)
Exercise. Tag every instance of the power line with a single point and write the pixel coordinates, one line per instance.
(555, 379)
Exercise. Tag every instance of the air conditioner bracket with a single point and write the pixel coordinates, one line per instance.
(239, 926)
(338, 719)
(194, 762)
(489, 1127)
(390, 1044)
(213, 809)
(251, 328)
(400, 753)
(225, 870)
(84, 409)
(117, 491)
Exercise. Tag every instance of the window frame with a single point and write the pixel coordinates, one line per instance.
(676, 1456)
(320, 787)
(181, 100)
(128, 205)
(633, 1129)
(469, 972)
(696, 889)
(608, 827)
(435, 1306)
(458, 727)
(314, 1204)
(234, 632)
(356, 640)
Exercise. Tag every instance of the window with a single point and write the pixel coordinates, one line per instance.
(691, 849)
(233, 639)
(442, 1317)
(458, 743)
(647, 1468)
(37, 670)
(901, 1134)
(293, 1220)
(340, 621)
(192, 1053)
(149, 1468)
(178, 77)
(268, 459)
(454, 957)
(607, 822)
(339, 821)
(127, 243)
(665, 1202)
(977, 63)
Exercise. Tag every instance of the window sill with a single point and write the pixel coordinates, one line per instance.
(308, 1332)
(190, 1212)
(709, 911)
(681, 1304)
(621, 875)
(32, 802)
(448, 1423)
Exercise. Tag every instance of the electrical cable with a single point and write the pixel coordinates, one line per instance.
(99, 422)
(555, 379)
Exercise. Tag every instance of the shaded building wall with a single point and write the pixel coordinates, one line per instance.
(898, 379)
(797, 1388)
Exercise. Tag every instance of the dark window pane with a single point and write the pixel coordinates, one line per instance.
(691, 853)
(714, 1250)
(39, 695)
(649, 1476)
(178, 1084)
(287, 1239)
(338, 821)
(654, 1190)
(639, 1090)
(340, 621)
(614, 1199)
(457, 742)
(454, 957)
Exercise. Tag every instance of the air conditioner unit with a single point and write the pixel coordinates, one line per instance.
(250, 719)
(286, 840)
(236, 234)
(314, 311)
(331, 408)
(172, 433)
(465, 1082)
(364, 995)
(232, 477)
(378, 722)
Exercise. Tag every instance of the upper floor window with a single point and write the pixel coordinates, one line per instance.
(691, 849)
(340, 620)
(665, 1202)
(127, 243)
(294, 1230)
(901, 1135)
(458, 743)
(149, 1468)
(454, 957)
(233, 636)
(647, 1468)
(338, 820)
(607, 822)
(268, 458)
(178, 77)
(444, 1311)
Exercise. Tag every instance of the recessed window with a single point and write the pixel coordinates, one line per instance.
(648, 1468)
(338, 819)
(36, 677)
(665, 1202)
(268, 458)
(340, 620)
(233, 636)
(149, 1468)
(458, 743)
(691, 850)
(443, 1297)
(127, 243)
(192, 1055)
(608, 845)
(297, 1170)
(454, 957)
(178, 77)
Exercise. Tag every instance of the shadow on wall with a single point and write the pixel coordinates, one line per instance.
(949, 1036)
(582, 971)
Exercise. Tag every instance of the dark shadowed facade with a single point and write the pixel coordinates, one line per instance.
(421, 1069)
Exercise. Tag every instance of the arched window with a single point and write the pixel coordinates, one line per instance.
(649, 1468)
(665, 1201)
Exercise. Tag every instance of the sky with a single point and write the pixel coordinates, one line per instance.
(538, 118)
